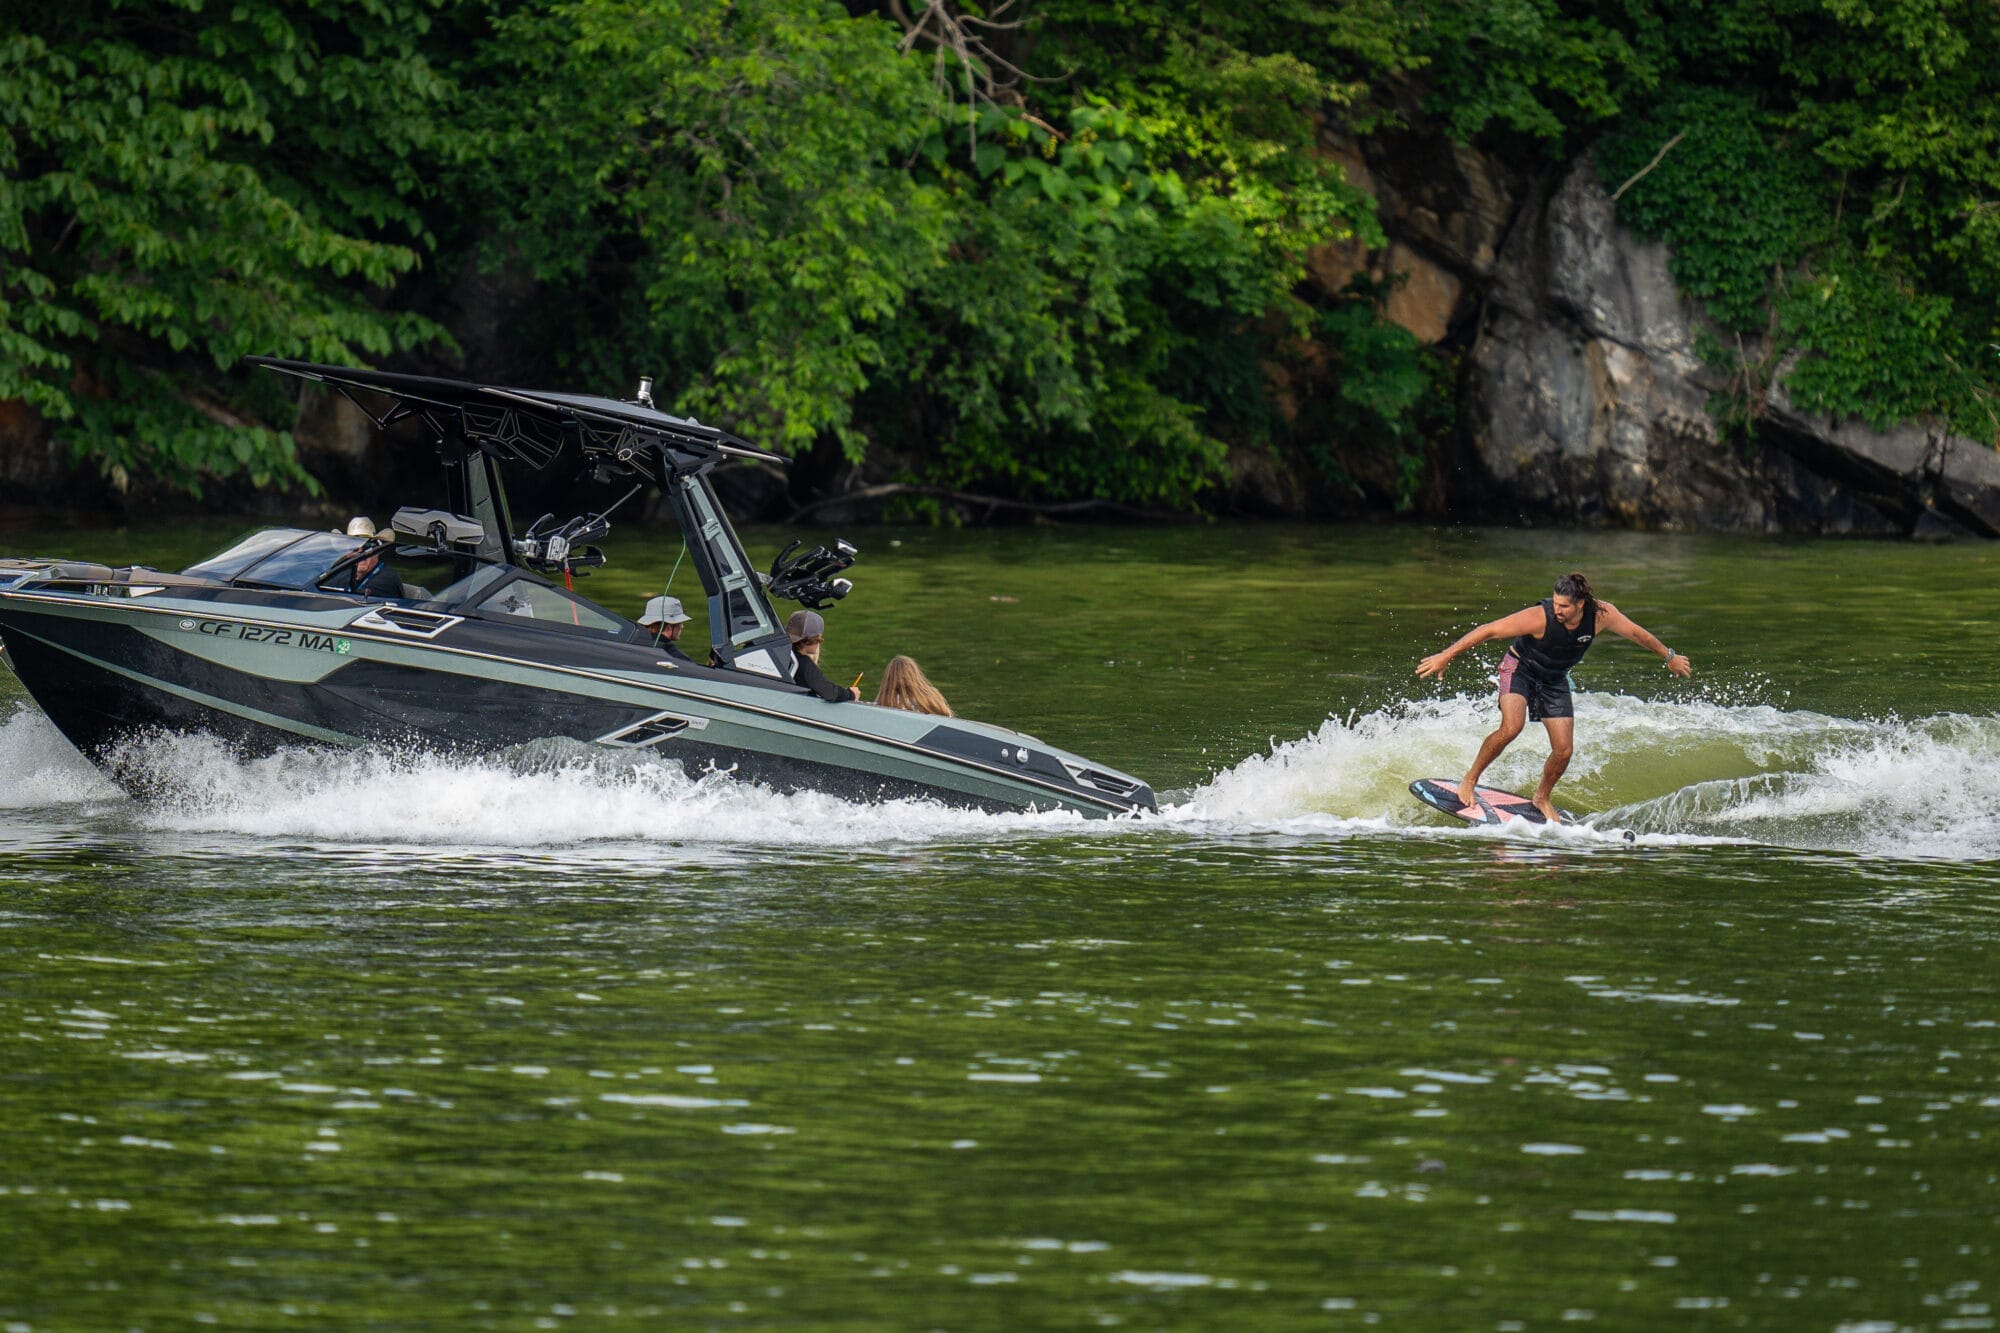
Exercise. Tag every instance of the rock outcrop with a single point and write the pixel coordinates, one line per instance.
(1446, 209)
(1586, 401)
(1927, 481)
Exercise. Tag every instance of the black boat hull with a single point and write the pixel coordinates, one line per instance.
(103, 680)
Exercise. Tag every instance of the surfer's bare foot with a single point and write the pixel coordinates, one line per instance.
(1548, 809)
(1465, 793)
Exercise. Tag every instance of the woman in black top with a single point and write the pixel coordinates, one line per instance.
(807, 629)
(1549, 639)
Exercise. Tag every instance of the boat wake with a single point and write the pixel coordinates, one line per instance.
(1673, 773)
(547, 794)
(39, 769)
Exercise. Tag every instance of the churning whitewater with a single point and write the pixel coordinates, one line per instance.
(1695, 771)
(1675, 772)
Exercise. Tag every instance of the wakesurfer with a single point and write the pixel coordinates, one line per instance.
(1550, 638)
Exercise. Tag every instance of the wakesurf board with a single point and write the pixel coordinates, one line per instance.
(1489, 805)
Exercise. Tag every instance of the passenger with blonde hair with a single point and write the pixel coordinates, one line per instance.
(905, 686)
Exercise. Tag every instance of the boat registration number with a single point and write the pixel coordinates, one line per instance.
(271, 634)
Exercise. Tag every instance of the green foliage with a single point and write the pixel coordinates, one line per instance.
(1540, 70)
(1869, 204)
(180, 187)
(1048, 344)
(1835, 185)
(1134, 241)
(1879, 350)
(772, 208)
(812, 242)
(1380, 377)
(846, 243)
(1736, 203)
(1390, 400)
(758, 163)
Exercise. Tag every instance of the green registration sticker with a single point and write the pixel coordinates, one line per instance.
(341, 646)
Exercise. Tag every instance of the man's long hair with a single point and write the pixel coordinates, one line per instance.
(1577, 588)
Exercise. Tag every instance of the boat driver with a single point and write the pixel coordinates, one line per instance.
(807, 629)
(662, 620)
(368, 577)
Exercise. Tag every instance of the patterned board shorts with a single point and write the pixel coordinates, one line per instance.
(1546, 699)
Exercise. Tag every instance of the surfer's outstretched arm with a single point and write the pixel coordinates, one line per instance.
(1611, 618)
(1528, 621)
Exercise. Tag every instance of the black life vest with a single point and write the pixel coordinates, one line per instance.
(1560, 648)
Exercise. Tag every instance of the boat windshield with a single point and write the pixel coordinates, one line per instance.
(301, 564)
(231, 561)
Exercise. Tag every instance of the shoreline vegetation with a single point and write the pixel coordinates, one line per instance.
(1040, 258)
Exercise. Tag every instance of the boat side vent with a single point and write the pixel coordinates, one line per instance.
(1104, 782)
(403, 620)
(653, 730)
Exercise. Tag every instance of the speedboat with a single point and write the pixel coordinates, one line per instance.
(263, 644)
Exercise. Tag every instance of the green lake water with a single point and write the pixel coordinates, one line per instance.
(338, 1040)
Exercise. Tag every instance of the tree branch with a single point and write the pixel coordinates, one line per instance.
(990, 78)
(889, 490)
(1665, 148)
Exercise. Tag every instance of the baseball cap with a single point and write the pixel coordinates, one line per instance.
(805, 625)
(664, 610)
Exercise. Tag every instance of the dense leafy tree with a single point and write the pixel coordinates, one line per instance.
(182, 184)
(1165, 195)
(738, 176)
(1538, 72)
(1055, 247)
(794, 221)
